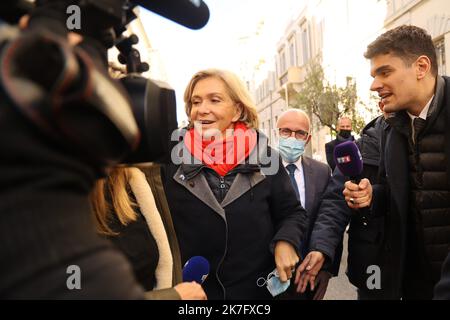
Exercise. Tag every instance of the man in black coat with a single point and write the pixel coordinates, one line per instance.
(365, 230)
(344, 134)
(415, 191)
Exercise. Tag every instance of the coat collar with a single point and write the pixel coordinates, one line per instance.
(402, 122)
(248, 175)
(147, 205)
(198, 186)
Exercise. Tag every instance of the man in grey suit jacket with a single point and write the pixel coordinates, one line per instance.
(309, 179)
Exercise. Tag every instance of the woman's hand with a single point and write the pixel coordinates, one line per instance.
(190, 291)
(285, 259)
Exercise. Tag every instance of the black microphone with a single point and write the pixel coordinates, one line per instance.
(193, 14)
(348, 159)
(196, 269)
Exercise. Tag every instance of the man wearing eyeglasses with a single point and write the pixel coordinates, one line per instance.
(309, 179)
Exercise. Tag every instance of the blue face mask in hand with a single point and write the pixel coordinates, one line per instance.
(291, 149)
(273, 283)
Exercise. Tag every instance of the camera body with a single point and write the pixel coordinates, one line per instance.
(65, 91)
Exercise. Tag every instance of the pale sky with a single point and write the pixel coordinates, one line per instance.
(227, 41)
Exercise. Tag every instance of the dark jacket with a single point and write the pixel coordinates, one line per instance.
(366, 230)
(365, 238)
(329, 149)
(236, 235)
(317, 176)
(394, 196)
(46, 222)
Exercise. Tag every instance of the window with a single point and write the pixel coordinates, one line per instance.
(283, 79)
(264, 89)
(396, 7)
(320, 27)
(292, 53)
(440, 55)
(305, 44)
(390, 8)
(282, 61)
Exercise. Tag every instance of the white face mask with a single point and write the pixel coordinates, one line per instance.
(273, 283)
(291, 149)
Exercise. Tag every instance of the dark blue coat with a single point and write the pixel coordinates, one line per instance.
(329, 149)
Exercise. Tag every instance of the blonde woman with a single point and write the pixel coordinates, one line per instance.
(131, 211)
(243, 218)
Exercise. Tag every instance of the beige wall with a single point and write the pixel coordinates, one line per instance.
(432, 15)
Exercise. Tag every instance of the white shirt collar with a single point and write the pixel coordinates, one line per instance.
(297, 163)
(424, 112)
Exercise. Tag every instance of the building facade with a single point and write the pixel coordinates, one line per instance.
(432, 15)
(334, 32)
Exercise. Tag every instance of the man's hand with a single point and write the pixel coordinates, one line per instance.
(308, 270)
(285, 259)
(358, 195)
(321, 284)
(190, 291)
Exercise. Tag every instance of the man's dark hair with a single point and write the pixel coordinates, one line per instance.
(406, 42)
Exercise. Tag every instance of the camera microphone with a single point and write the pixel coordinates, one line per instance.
(196, 269)
(193, 14)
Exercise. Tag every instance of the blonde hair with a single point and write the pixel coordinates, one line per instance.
(111, 196)
(235, 89)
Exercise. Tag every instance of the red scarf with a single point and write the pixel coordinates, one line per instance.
(224, 154)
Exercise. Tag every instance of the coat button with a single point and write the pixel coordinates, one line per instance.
(192, 184)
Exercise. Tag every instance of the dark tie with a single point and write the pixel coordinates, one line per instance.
(419, 124)
(291, 169)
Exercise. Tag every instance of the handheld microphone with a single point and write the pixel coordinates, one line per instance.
(196, 269)
(193, 14)
(349, 160)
